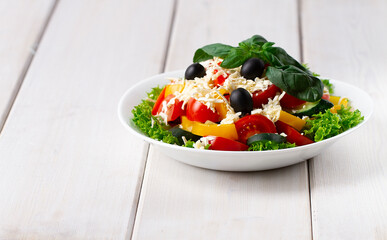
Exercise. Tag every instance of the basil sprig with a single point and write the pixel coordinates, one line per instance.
(284, 71)
(296, 82)
(232, 56)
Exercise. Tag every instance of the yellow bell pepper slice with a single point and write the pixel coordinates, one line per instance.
(291, 120)
(221, 108)
(223, 91)
(334, 99)
(338, 101)
(172, 88)
(202, 129)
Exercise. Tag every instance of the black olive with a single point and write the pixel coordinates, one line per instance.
(253, 68)
(194, 70)
(241, 101)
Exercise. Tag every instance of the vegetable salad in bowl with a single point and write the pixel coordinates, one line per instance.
(253, 97)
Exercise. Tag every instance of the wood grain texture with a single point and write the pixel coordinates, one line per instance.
(347, 41)
(183, 202)
(68, 169)
(21, 24)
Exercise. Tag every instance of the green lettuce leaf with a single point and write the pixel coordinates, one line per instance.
(326, 125)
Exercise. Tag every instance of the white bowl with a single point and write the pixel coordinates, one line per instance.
(236, 161)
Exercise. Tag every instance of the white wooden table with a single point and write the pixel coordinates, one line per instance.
(68, 170)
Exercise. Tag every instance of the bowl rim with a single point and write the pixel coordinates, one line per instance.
(217, 152)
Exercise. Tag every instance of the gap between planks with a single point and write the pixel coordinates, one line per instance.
(308, 162)
(137, 194)
(136, 201)
(27, 65)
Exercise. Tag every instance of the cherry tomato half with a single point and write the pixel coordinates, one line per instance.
(289, 102)
(253, 124)
(174, 110)
(262, 97)
(224, 144)
(197, 111)
(293, 136)
(158, 102)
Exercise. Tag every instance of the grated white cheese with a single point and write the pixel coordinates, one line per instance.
(272, 109)
(184, 140)
(325, 90)
(202, 142)
(231, 117)
(204, 90)
(235, 81)
(152, 122)
(163, 111)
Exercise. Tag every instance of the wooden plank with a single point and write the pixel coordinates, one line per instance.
(68, 169)
(349, 182)
(183, 202)
(21, 23)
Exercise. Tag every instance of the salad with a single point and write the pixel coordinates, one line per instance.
(252, 97)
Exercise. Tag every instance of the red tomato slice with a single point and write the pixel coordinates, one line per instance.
(325, 96)
(293, 136)
(224, 144)
(158, 102)
(262, 97)
(253, 124)
(220, 79)
(289, 102)
(174, 110)
(197, 111)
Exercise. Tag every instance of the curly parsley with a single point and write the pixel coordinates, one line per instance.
(151, 125)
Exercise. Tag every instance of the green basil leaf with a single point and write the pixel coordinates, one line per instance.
(217, 49)
(278, 57)
(259, 51)
(210, 51)
(296, 82)
(254, 41)
(236, 57)
(201, 55)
